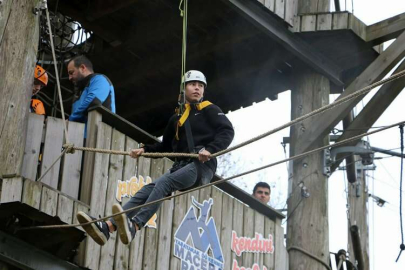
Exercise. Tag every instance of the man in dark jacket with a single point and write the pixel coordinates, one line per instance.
(211, 132)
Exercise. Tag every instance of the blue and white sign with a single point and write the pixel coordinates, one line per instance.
(204, 238)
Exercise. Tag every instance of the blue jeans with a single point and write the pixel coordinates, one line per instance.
(163, 186)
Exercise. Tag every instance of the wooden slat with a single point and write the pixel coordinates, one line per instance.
(216, 195)
(70, 181)
(151, 234)
(269, 230)
(297, 24)
(93, 120)
(259, 228)
(357, 26)
(248, 224)
(49, 201)
(32, 145)
(32, 193)
(269, 4)
(279, 8)
(226, 228)
(52, 150)
(11, 190)
(65, 209)
(340, 21)
(165, 228)
(81, 253)
(324, 22)
(115, 173)
(308, 23)
(137, 245)
(78, 206)
(280, 252)
(130, 170)
(180, 210)
(290, 11)
(98, 190)
(237, 226)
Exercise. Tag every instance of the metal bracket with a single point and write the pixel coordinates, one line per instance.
(362, 149)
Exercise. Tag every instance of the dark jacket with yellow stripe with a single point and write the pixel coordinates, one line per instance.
(210, 128)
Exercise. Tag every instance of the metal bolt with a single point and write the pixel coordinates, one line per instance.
(305, 165)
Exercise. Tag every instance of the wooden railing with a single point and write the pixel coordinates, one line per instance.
(104, 179)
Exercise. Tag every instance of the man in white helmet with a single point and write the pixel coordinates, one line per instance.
(211, 132)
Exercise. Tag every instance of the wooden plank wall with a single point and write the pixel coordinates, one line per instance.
(43, 146)
(153, 248)
(285, 9)
(329, 21)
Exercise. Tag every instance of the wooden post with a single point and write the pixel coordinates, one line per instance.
(308, 230)
(19, 33)
(358, 214)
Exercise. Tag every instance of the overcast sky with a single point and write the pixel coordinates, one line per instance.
(385, 236)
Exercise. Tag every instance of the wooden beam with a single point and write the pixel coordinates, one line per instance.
(19, 30)
(373, 110)
(279, 32)
(324, 122)
(385, 30)
(25, 256)
(308, 216)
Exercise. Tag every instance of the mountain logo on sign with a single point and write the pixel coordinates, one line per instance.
(205, 251)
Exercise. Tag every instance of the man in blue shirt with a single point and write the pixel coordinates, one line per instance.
(96, 89)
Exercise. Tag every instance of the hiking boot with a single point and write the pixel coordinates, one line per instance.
(125, 227)
(98, 230)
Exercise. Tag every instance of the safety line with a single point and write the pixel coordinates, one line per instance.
(220, 181)
(259, 137)
(56, 72)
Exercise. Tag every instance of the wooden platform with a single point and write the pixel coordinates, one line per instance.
(107, 179)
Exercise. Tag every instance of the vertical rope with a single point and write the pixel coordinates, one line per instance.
(402, 246)
(184, 14)
(56, 73)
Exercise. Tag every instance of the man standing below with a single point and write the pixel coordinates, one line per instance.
(96, 89)
(40, 81)
(211, 132)
(262, 191)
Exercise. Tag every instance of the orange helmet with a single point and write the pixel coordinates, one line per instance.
(40, 74)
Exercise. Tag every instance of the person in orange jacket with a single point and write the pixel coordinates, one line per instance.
(40, 81)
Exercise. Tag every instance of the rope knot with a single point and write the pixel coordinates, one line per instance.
(69, 147)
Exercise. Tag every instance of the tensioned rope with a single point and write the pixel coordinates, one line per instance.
(59, 91)
(330, 106)
(222, 180)
(184, 14)
(56, 71)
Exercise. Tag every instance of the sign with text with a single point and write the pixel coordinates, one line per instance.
(129, 188)
(205, 251)
(258, 244)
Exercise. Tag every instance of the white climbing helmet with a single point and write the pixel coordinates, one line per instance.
(195, 75)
